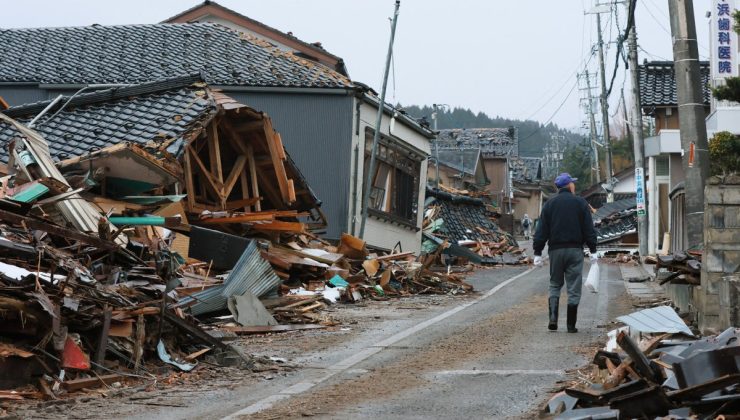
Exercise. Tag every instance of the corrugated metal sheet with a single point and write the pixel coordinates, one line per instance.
(316, 129)
(662, 319)
(250, 274)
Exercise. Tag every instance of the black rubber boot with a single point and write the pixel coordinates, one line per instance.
(572, 316)
(553, 324)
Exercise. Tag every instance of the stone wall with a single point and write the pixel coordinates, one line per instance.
(716, 300)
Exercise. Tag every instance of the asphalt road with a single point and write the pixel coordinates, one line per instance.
(489, 355)
(489, 358)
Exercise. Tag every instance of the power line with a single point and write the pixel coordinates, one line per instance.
(554, 113)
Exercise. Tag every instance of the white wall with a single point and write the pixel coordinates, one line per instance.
(379, 232)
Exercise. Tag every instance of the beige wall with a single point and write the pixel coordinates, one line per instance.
(382, 233)
(497, 171)
(527, 205)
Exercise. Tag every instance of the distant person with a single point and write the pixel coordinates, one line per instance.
(565, 226)
(527, 226)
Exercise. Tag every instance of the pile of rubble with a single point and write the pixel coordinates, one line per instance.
(680, 267)
(465, 227)
(655, 367)
(143, 227)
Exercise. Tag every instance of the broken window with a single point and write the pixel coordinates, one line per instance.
(395, 184)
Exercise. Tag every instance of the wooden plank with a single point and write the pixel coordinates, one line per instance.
(277, 161)
(192, 356)
(273, 328)
(76, 235)
(214, 151)
(399, 256)
(280, 226)
(291, 192)
(77, 384)
(103, 340)
(212, 182)
(242, 218)
(189, 185)
(244, 184)
(253, 177)
(236, 171)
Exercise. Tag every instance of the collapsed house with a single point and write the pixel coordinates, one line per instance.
(129, 215)
(325, 118)
(464, 226)
(616, 223)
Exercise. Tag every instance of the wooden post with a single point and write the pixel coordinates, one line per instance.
(189, 184)
(253, 176)
(103, 342)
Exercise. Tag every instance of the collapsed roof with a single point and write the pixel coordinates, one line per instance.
(218, 150)
(492, 142)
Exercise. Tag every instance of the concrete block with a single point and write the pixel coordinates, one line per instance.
(711, 304)
(721, 236)
(731, 261)
(716, 217)
(731, 195)
(713, 195)
(709, 324)
(711, 282)
(732, 217)
(713, 261)
(733, 179)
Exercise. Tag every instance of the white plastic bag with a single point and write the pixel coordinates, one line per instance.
(592, 281)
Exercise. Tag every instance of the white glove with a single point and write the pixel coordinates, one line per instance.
(537, 261)
(593, 258)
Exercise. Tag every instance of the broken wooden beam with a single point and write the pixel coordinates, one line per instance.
(77, 384)
(273, 328)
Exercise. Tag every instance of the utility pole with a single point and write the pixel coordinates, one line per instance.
(379, 119)
(690, 115)
(592, 125)
(605, 113)
(638, 137)
(435, 117)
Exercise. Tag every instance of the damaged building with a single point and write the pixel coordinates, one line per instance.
(320, 113)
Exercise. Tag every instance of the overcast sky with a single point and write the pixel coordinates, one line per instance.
(512, 58)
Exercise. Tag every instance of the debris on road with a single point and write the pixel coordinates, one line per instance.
(655, 367)
(124, 257)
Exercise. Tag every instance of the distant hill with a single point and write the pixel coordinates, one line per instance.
(533, 136)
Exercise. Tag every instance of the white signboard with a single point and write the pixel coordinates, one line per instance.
(724, 40)
(640, 191)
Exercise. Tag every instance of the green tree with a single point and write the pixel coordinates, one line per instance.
(577, 162)
(724, 153)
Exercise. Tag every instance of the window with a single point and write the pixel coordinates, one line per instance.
(395, 185)
(662, 166)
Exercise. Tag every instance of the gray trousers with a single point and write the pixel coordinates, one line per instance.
(566, 266)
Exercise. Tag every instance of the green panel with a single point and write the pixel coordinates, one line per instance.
(31, 193)
(137, 221)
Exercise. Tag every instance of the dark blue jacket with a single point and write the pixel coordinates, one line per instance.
(565, 222)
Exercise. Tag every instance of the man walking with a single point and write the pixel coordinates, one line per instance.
(527, 226)
(565, 226)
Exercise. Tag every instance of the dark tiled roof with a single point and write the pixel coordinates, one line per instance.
(658, 83)
(152, 112)
(526, 169)
(463, 160)
(316, 46)
(491, 141)
(463, 215)
(614, 220)
(142, 53)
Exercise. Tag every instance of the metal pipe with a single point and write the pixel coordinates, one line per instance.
(98, 86)
(44, 111)
(378, 121)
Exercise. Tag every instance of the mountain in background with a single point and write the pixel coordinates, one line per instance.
(533, 136)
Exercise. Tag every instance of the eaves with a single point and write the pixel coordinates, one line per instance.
(404, 119)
